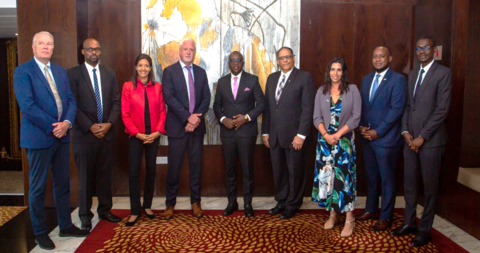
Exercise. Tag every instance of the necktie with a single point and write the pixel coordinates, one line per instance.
(53, 87)
(417, 86)
(374, 89)
(280, 88)
(97, 98)
(191, 87)
(235, 87)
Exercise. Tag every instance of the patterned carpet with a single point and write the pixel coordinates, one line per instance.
(262, 233)
(8, 212)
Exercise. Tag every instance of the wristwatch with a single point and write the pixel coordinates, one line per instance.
(246, 118)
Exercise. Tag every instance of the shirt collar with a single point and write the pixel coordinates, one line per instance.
(286, 74)
(382, 73)
(40, 64)
(90, 67)
(183, 64)
(427, 67)
(239, 75)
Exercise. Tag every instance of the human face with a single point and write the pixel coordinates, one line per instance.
(92, 52)
(285, 60)
(336, 73)
(381, 59)
(143, 69)
(235, 63)
(43, 48)
(425, 56)
(187, 52)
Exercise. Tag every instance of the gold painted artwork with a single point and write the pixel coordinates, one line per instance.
(261, 233)
(9, 212)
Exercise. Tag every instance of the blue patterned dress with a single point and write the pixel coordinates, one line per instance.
(335, 182)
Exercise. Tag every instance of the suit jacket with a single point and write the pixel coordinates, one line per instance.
(175, 94)
(426, 116)
(84, 94)
(293, 113)
(37, 103)
(250, 100)
(384, 113)
(351, 108)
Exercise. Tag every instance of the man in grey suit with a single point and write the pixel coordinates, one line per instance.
(428, 102)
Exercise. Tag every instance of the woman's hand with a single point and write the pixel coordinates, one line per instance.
(330, 139)
(142, 137)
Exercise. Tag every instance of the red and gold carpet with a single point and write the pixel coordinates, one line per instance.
(8, 212)
(262, 233)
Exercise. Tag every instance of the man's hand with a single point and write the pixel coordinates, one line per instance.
(370, 134)
(330, 139)
(101, 129)
(417, 143)
(265, 141)
(60, 129)
(238, 121)
(194, 119)
(189, 127)
(228, 123)
(297, 143)
(363, 129)
(408, 138)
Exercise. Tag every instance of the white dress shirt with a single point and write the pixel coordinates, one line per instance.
(232, 80)
(97, 72)
(185, 73)
(380, 79)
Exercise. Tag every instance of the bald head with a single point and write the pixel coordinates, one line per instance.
(92, 52)
(381, 59)
(235, 62)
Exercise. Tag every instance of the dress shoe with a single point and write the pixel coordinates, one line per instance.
(109, 217)
(73, 231)
(197, 210)
(404, 230)
(381, 225)
(86, 223)
(44, 242)
(131, 223)
(248, 210)
(150, 216)
(231, 207)
(367, 216)
(287, 216)
(331, 222)
(421, 239)
(168, 214)
(276, 210)
(348, 229)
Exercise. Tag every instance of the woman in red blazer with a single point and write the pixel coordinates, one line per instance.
(143, 113)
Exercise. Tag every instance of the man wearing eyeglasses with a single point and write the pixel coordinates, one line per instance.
(95, 89)
(239, 100)
(286, 128)
(428, 102)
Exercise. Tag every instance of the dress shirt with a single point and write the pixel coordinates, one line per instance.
(231, 85)
(379, 81)
(90, 73)
(185, 74)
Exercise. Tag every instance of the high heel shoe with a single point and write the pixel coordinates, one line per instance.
(131, 223)
(150, 216)
(348, 229)
(331, 222)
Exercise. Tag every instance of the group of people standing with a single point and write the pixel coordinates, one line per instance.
(87, 100)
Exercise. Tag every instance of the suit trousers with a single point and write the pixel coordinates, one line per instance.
(135, 153)
(94, 163)
(289, 175)
(193, 144)
(422, 167)
(57, 156)
(380, 170)
(243, 148)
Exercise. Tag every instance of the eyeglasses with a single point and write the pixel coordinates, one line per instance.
(425, 48)
(286, 57)
(92, 49)
(235, 60)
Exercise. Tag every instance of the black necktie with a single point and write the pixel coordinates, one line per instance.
(417, 86)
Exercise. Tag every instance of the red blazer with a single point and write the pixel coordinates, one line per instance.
(133, 107)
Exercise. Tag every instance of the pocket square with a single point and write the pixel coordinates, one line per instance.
(247, 89)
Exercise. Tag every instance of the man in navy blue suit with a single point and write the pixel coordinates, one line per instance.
(383, 94)
(48, 109)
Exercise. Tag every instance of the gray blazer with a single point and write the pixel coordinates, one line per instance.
(351, 108)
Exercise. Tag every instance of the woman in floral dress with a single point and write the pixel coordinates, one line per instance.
(336, 115)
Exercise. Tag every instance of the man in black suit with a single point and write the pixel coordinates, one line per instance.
(239, 100)
(95, 89)
(187, 95)
(428, 102)
(286, 127)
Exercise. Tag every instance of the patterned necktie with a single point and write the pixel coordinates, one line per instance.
(374, 89)
(191, 87)
(417, 86)
(97, 98)
(235, 88)
(280, 88)
(53, 87)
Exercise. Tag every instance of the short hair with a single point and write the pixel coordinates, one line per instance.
(85, 41)
(428, 37)
(188, 39)
(389, 50)
(42, 32)
(278, 52)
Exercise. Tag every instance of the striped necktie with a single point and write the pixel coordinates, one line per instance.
(97, 97)
(56, 95)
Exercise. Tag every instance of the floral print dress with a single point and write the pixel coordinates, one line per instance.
(335, 181)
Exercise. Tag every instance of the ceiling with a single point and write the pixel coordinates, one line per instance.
(8, 18)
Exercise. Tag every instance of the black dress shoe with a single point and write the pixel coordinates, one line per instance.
(109, 217)
(150, 216)
(421, 239)
(44, 242)
(86, 223)
(131, 223)
(276, 210)
(232, 207)
(286, 216)
(248, 210)
(404, 230)
(73, 231)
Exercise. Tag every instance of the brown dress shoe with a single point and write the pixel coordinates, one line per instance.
(168, 214)
(197, 210)
(367, 216)
(381, 225)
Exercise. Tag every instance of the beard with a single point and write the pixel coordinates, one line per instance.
(381, 69)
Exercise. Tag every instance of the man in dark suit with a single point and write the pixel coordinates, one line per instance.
(187, 95)
(428, 102)
(239, 100)
(48, 108)
(286, 127)
(383, 100)
(95, 89)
